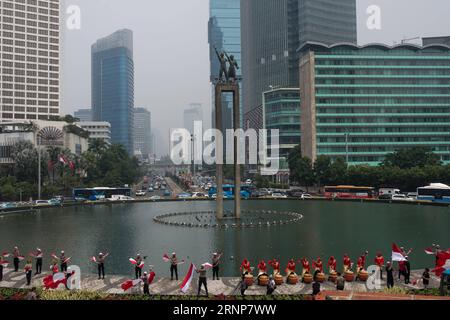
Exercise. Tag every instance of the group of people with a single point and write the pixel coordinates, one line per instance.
(317, 266)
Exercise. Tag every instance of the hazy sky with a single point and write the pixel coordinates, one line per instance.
(171, 52)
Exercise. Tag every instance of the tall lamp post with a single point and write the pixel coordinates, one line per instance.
(347, 135)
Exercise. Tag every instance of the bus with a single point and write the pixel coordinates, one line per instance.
(228, 191)
(95, 194)
(349, 192)
(435, 192)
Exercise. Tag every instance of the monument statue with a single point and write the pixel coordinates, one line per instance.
(232, 68)
(223, 65)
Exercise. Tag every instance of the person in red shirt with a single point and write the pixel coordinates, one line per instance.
(379, 262)
(275, 265)
(306, 267)
(290, 268)
(347, 263)
(262, 267)
(245, 267)
(318, 265)
(332, 264)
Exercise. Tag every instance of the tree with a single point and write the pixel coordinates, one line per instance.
(302, 172)
(411, 158)
(322, 167)
(338, 172)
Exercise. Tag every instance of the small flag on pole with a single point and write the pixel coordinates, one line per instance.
(188, 279)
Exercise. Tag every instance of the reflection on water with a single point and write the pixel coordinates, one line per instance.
(328, 228)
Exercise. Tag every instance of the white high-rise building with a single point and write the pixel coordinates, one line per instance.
(30, 59)
(192, 114)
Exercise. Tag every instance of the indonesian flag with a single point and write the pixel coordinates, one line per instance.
(71, 165)
(134, 262)
(397, 254)
(188, 279)
(53, 281)
(21, 258)
(94, 259)
(207, 265)
(130, 284)
(430, 251)
(63, 160)
(4, 263)
(151, 277)
(166, 257)
(442, 263)
(6, 254)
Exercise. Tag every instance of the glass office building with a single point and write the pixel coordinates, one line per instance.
(113, 85)
(281, 108)
(224, 33)
(272, 32)
(362, 103)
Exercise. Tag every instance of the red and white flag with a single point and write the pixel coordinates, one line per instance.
(4, 263)
(442, 263)
(188, 279)
(166, 257)
(53, 281)
(135, 263)
(207, 265)
(430, 251)
(151, 277)
(130, 284)
(6, 254)
(94, 259)
(397, 254)
(63, 160)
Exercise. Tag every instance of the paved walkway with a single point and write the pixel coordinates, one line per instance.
(225, 286)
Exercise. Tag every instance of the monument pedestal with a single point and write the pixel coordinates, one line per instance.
(221, 88)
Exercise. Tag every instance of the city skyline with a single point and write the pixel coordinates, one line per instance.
(155, 85)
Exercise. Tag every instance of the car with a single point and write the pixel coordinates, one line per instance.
(184, 196)
(54, 202)
(199, 195)
(120, 198)
(248, 181)
(150, 189)
(167, 193)
(400, 197)
(155, 198)
(296, 194)
(7, 205)
(41, 202)
(279, 195)
(306, 196)
(141, 193)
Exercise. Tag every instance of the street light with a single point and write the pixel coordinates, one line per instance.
(347, 135)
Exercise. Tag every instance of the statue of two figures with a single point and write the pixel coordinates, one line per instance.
(227, 75)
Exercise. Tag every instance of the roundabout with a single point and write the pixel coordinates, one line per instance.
(249, 219)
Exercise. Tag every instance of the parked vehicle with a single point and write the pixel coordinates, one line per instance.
(400, 197)
(184, 196)
(41, 202)
(7, 205)
(141, 193)
(167, 193)
(306, 196)
(277, 195)
(155, 198)
(436, 192)
(120, 198)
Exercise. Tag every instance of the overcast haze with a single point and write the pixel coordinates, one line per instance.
(171, 54)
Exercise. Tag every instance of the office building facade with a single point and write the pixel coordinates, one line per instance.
(113, 85)
(272, 32)
(30, 59)
(83, 114)
(142, 132)
(224, 33)
(361, 103)
(281, 110)
(97, 130)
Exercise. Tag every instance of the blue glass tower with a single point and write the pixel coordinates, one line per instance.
(224, 29)
(113, 85)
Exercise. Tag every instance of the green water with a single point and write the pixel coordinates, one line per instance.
(328, 228)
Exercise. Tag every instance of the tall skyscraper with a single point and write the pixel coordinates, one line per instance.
(142, 132)
(113, 85)
(30, 59)
(224, 33)
(272, 32)
(83, 114)
(193, 113)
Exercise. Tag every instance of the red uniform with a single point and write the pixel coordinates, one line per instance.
(306, 267)
(290, 267)
(245, 266)
(379, 260)
(332, 264)
(347, 263)
(318, 265)
(262, 267)
(275, 265)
